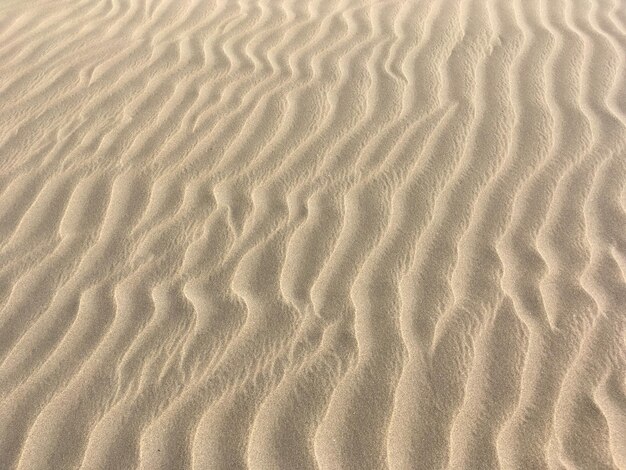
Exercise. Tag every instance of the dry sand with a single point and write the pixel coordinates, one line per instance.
(299, 234)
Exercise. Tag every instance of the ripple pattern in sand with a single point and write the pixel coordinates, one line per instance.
(334, 234)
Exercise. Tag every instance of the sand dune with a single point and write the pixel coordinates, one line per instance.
(286, 234)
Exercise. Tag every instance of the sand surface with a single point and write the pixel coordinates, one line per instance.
(312, 234)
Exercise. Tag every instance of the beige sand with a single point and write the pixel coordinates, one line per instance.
(298, 234)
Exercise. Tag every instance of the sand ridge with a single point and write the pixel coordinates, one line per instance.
(285, 234)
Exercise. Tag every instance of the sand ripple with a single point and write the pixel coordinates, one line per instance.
(335, 234)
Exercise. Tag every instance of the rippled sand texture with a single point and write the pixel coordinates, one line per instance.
(288, 234)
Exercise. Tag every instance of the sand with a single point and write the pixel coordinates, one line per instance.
(302, 234)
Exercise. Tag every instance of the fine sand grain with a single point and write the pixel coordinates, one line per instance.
(312, 234)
